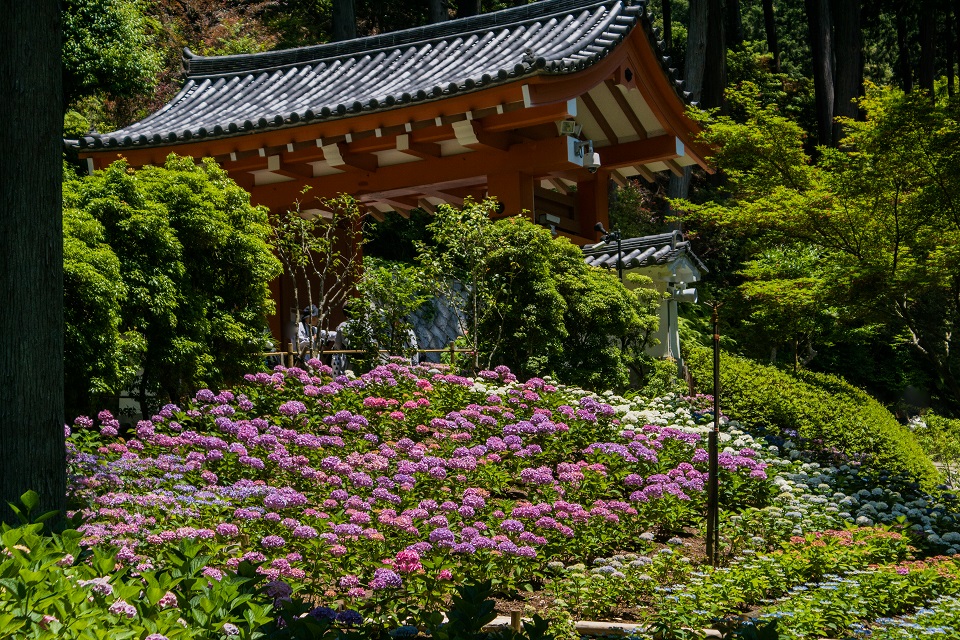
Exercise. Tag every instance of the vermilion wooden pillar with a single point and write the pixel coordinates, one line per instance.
(593, 203)
(514, 190)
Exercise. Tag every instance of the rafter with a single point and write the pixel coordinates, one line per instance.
(339, 156)
(597, 114)
(628, 111)
(645, 173)
(674, 168)
(470, 134)
(418, 149)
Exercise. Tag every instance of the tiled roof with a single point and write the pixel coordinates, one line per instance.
(231, 95)
(647, 251)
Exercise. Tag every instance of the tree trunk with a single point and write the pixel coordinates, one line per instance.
(956, 32)
(437, 11)
(928, 47)
(734, 18)
(696, 54)
(951, 51)
(344, 21)
(849, 61)
(32, 451)
(467, 8)
(903, 51)
(821, 47)
(770, 26)
(715, 66)
(667, 25)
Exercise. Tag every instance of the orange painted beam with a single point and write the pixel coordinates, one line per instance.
(529, 116)
(627, 154)
(536, 158)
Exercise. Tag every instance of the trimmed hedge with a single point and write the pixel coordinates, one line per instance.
(817, 407)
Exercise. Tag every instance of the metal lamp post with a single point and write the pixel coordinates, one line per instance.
(713, 481)
(609, 236)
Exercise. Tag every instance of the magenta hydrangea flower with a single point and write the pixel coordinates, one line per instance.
(272, 542)
(292, 408)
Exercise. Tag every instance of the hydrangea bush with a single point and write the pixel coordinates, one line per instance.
(391, 487)
(367, 500)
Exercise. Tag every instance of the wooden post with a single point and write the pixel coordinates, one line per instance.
(593, 202)
(515, 620)
(453, 355)
(290, 352)
(513, 190)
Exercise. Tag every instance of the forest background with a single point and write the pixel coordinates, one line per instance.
(831, 228)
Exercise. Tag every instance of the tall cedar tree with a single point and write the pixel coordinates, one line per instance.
(848, 61)
(437, 12)
(821, 46)
(903, 50)
(344, 21)
(770, 28)
(928, 47)
(32, 450)
(467, 8)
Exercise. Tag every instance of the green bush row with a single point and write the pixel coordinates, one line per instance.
(817, 407)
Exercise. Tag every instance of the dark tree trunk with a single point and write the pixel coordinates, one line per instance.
(956, 32)
(951, 51)
(928, 47)
(715, 67)
(437, 11)
(467, 8)
(849, 60)
(770, 26)
(665, 10)
(821, 48)
(32, 452)
(344, 21)
(903, 52)
(696, 55)
(734, 17)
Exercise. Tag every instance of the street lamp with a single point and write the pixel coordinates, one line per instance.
(608, 236)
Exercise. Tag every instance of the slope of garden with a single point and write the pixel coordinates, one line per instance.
(302, 505)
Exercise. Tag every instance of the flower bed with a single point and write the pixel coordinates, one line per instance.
(369, 499)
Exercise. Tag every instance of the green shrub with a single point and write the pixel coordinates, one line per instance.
(165, 269)
(818, 407)
(940, 439)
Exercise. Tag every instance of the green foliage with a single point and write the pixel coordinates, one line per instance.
(818, 407)
(51, 587)
(536, 306)
(635, 211)
(389, 293)
(100, 357)
(880, 214)
(788, 298)
(172, 267)
(940, 439)
(108, 48)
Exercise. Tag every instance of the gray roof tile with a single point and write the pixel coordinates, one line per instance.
(646, 251)
(230, 95)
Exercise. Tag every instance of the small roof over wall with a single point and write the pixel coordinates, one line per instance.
(646, 251)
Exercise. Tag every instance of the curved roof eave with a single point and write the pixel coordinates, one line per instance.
(229, 96)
